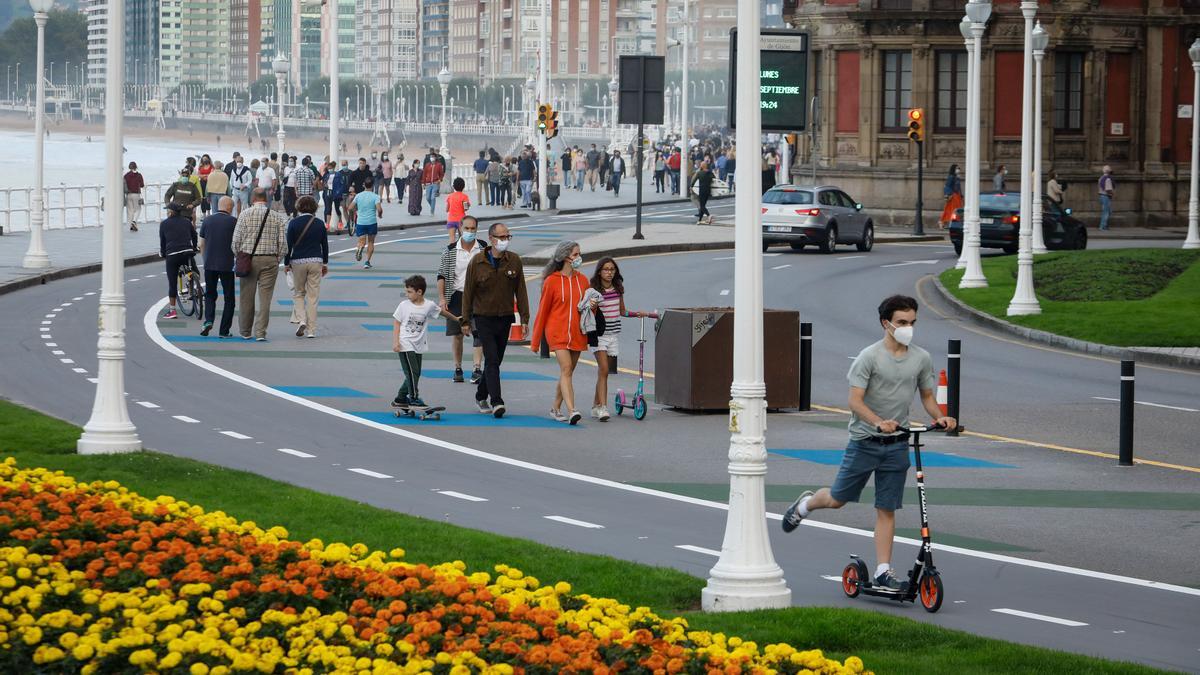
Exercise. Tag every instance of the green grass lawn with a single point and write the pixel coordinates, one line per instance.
(887, 644)
(1121, 297)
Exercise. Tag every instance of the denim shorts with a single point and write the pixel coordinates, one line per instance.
(888, 462)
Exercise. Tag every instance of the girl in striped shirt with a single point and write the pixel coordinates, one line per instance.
(607, 280)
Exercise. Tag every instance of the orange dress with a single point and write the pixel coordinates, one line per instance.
(558, 313)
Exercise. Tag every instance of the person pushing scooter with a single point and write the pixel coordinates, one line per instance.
(883, 378)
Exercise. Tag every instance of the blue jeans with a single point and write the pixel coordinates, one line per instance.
(578, 179)
(1105, 211)
(213, 200)
(674, 181)
(241, 199)
(431, 194)
(526, 193)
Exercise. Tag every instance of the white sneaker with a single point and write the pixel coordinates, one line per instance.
(596, 411)
(603, 414)
(557, 415)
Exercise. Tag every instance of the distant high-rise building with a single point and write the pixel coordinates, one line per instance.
(434, 36)
(245, 41)
(308, 49)
(141, 41)
(96, 12)
(204, 30)
(170, 43)
(385, 44)
(266, 32)
(465, 44)
(347, 14)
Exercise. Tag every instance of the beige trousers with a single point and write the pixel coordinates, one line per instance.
(133, 207)
(264, 271)
(307, 280)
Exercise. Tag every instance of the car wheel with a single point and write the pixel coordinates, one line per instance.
(1081, 239)
(797, 246)
(1012, 248)
(766, 246)
(868, 238)
(830, 243)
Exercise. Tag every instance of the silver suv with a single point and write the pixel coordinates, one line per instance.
(822, 215)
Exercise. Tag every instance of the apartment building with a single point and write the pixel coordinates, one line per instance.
(434, 36)
(385, 42)
(204, 32)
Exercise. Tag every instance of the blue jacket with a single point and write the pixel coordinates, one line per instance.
(341, 183)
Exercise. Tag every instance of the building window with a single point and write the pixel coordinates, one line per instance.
(952, 91)
(1068, 91)
(897, 89)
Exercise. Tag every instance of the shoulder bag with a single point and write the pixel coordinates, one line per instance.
(242, 260)
(302, 233)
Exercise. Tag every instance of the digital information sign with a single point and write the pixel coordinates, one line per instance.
(783, 79)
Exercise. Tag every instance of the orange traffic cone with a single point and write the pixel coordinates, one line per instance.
(516, 334)
(942, 393)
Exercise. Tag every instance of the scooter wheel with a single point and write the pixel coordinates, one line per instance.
(639, 408)
(851, 580)
(930, 590)
(618, 402)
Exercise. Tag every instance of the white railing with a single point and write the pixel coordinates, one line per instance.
(70, 206)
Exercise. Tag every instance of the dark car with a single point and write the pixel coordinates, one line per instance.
(1000, 224)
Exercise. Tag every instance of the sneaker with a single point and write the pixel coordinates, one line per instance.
(476, 376)
(311, 335)
(224, 336)
(133, 228)
(367, 265)
(300, 330)
(792, 517)
(358, 253)
(400, 404)
(498, 410)
(260, 339)
(458, 375)
(207, 328)
(557, 416)
(889, 581)
(603, 416)
(484, 407)
(417, 402)
(171, 314)
(247, 337)
(596, 411)
(575, 417)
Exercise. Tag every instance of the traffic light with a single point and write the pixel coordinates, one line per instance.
(543, 118)
(916, 125)
(552, 125)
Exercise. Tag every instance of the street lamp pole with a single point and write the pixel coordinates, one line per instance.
(977, 13)
(543, 158)
(36, 255)
(1193, 233)
(334, 146)
(746, 576)
(964, 27)
(280, 66)
(1040, 39)
(444, 81)
(1024, 301)
(612, 113)
(109, 429)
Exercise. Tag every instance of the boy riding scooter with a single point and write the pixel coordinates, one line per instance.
(883, 378)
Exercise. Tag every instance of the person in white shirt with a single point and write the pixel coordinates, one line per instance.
(451, 274)
(268, 180)
(241, 179)
(410, 338)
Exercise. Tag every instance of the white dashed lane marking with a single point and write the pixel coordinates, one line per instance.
(459, 495)
(572, 521)
(234, 434)
(1039, 617)
(67, 361)
(368, 472)
(51, 344)
(186, 419)
(94, 380)
(148, 404)
(699, 549)
(295, 453)
(80, 370)
(779, 267)
(58, 352)
(1148, 403)
(725, 291)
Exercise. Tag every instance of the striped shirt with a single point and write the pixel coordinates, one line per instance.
(611, 308)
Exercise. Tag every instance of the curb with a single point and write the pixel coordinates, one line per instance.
(408, 226)
(986, 320)
(68, 272)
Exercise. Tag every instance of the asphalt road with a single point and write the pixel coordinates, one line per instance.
(590, 488)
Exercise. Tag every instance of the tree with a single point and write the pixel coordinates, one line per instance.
(66, 40)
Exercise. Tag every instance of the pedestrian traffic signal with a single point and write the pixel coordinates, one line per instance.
(544, 111)
(552, 125)
(916, 125)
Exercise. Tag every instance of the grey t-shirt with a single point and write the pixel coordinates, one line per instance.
(890, 383)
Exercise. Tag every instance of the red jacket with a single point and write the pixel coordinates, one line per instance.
(432, 173)
(558, 313)
(674, 161)
(134, 182)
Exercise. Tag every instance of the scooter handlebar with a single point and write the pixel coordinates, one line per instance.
(916, 428)
(635, 315)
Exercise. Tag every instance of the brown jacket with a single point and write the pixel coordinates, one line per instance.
(489, 289)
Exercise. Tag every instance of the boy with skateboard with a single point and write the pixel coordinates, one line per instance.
(410, 339)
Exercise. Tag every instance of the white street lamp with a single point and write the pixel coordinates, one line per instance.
(36, 255)
(444, 81)
(978, 13)
(334, 73)
(612, 101)
(746, 576)
(280, 67)
(964, 27)
(532, 122)
(1024, 301)
(1193, 235)
(1040, 40)
(109, 429)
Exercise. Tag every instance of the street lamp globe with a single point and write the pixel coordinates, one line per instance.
(41, 6)
(280, 64)
(444, 77)
(979, 12)
(964, 27)
(1194, 51)
(1041, 39)
(612, 86)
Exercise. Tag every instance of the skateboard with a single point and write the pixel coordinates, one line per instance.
(431, 412)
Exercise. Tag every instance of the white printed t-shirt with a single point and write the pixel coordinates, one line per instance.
(414, 324)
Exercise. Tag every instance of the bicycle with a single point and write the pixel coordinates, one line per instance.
(191, 292)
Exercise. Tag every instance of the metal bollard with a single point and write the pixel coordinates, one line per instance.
(953, 365)
(1125, 454)
(805, 366)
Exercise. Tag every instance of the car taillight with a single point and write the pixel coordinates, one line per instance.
(808, 212)
(1013, 220)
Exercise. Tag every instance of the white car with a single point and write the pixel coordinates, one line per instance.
(822, 215)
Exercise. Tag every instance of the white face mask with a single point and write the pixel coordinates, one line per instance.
(902, 334)
(500, 245)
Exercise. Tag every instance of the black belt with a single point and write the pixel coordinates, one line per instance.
(887, 440)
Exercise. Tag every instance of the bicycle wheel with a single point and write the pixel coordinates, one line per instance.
(197, 294)
(186, 300)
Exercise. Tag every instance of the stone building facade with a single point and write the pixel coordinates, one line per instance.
(1115, 76)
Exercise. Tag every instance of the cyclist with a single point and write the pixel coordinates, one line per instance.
(184, 193)
(177, 245)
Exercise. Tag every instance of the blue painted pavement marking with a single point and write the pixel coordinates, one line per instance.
(467, 420)
(935, 459)
(330, 303)
(201, 338)
(378, 326)
(319, 392)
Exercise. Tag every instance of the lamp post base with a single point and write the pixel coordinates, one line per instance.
(1191, 244)
(755, 588)
(36, 261)
(109, 441)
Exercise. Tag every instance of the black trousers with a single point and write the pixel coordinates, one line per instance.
(211, 278)
(493, 333)
(174, 262)
(703, 201)
(401, 184)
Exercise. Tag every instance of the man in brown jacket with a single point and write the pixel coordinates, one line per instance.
(495, 280)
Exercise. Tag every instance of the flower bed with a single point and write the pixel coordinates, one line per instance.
(96, 578)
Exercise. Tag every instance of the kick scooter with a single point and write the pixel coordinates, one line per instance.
(638, 400)
(923, 578)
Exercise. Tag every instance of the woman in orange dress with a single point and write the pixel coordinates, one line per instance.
(953, 192)
(563, 288)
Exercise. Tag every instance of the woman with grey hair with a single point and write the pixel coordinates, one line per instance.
(558, 321)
